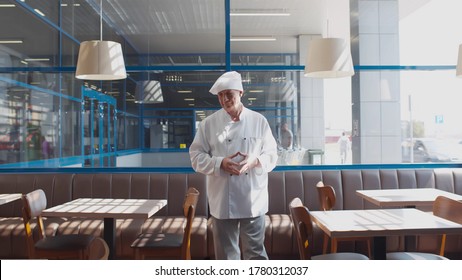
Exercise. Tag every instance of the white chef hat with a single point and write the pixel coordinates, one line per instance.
(229, 80)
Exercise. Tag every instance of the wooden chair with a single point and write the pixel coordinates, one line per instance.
(327, 200)
(304, 231)
(445, 208)
(170, 245)
(73, 246)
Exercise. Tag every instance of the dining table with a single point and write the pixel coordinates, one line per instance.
(422, 197)
(9, 197)
(381, 223)
(108, 209)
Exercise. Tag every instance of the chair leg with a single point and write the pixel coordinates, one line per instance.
(443, 245)
(369, 248)
(325, 244)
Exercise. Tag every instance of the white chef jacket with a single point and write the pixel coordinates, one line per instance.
(218, 136)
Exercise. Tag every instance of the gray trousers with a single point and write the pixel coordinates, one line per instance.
(226, 234)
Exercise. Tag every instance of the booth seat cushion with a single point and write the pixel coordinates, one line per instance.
(12, 239)
(280, 241)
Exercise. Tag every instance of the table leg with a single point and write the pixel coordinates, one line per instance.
(109, 236)
(410, 243)
(409, 240)
(380, 248)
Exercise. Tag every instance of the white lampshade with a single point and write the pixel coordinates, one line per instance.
(148, 92)
(329, 58)
(459, 63)
(100, 60)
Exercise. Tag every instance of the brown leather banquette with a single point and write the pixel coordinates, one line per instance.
(283, 187)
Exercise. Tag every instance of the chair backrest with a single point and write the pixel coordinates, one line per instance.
(326, 195)
(189, 208)
(303, 227)
(191, 198)
(33, 205)
(448, 209)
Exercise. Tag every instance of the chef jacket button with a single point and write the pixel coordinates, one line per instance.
(246, 173)
(230, 174)
(229, 140)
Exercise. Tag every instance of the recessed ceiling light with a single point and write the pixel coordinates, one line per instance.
(259, 13)
(252, 39)
(39, 12)
(37, 59)
(11, 42)
(7, 5)
(184, 91)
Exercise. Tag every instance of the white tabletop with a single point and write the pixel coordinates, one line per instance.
(405, 197)
(382, 222)
(8, 197)
(107, 208)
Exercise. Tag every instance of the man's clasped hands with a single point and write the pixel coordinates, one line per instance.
(239, 163)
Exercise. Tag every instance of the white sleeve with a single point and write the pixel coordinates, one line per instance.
(268, 156)
(199, 152)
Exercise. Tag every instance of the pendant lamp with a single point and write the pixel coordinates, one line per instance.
(100, 60)
(329, 58)
(459, 63)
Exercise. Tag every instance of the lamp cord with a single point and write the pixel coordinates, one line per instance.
(101, 20)
(327, 19)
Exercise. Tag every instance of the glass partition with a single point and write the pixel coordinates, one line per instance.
(399, 107)
(29, 118)
(70, 140)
